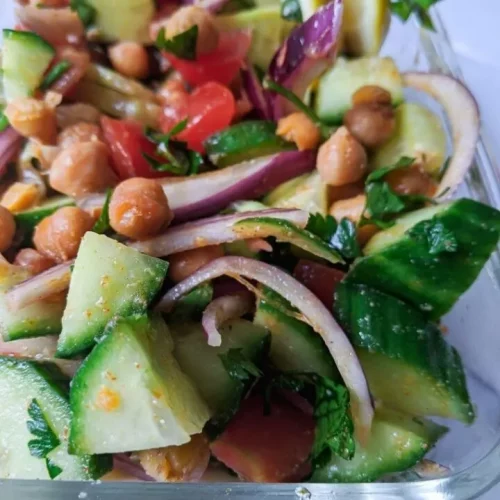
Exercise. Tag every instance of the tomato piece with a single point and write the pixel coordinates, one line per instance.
(320, 279)
(209, 108)
(127, 142)
(267, 448)
(221, 66)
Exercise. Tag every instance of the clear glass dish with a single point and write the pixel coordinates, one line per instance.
(471, 455)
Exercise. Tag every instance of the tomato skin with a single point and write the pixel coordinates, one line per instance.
(320, 279)
(209, 108)
(127, 142)
(267, 448)
(220, 66)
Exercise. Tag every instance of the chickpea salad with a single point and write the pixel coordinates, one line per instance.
(227, 242)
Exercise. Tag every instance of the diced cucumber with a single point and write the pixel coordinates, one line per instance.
(337, 86)
(27, 220)
(109, 280)
(285, 231)
(191, 306)
(123, 19)
(269, 30)
(245, 141)
(203, 365)
(407, 363)
(419, 134)
(37, 392)
(35, 320)
(295, 346)
(397, 442)
(25, 58)
(130, 394)
(402, 265)
(306, 192)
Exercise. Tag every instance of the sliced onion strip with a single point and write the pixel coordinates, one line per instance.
(313, 310)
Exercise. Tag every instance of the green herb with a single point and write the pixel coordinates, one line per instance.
(376, 175)
(238, 366)
(195, 162)
(405, 8)
(85, 11)
(324, 227)
(102, 224)
(237, 5)
(4, 121)
(269, 84)
(444, 168)
(54, 74)
(291, 11)
(45, 440)
(191, 306)
(381, 202)
(182, 45)
(438, 238)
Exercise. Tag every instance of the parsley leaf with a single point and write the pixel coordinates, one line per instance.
(85, 11)
(438, 238)
(291, 11)
(376, 175)
(324, 227)
(182, 45)
(4, 121)
(345, 239)
(102, 224)
(382, 201)
(405, 8)
(55, 73)
(238, 366)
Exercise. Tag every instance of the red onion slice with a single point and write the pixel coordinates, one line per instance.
(211, 231)
(255, 92)
(223, 309)
(463, 115)
(43, 285)
(314, 312)
(10, 143)
(126, 465)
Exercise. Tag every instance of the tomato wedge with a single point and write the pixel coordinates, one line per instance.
(209, 108)
(127, 142)
(221, 66)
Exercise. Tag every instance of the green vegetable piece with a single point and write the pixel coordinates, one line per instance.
(436, 236)
(380, 173)
(54, 74)
(405, 8)
(86, 12)
(44, 440)
(291, 11)
(182, 45)
(191, 306)
(4, 121)
(238, 366)
(102, 225)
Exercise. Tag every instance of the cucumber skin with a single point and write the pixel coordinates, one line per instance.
(433, 283)
(30, 38)
(245, 141)
(410, 340)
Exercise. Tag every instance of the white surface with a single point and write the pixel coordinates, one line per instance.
(473, 28)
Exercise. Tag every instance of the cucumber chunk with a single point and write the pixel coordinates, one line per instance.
(337, 86)
(37, 392)
(35, 320)
(25, 58)
(407, 363)
(203, 365)
(130, 394)
(295, 346)
(245, 141)
(418, 134)
(109, 280)
(402, 265)
(397, 442)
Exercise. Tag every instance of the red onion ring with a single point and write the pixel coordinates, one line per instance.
(255, 92)
(463, 114)
(222, 309)
(125, 464)
(211, 231)
(314, 312)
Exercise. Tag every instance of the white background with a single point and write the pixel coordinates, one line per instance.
(474, 30)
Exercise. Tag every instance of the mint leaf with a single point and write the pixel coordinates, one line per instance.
(345, 239)
(438, 238)
(182, 45)
(238, 366)
(291, 11)
(403, 162)
(55, 73)
(45, 440)
(102, 224)
(85, 11)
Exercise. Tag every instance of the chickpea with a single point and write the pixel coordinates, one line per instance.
(139, 208)
(71, 114)
(352, 208)
(33, 118)
(413, 180)
(172, 92)
(300, 129)
(7, 229)
(130, 59)
(184, 264)
(79, 132)
(371, 124)
(59, 235)
(81, 169)
(336, 193)
(34, 261)
(371, 94)
(185, 18)
(341, 159)
(366, 232)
